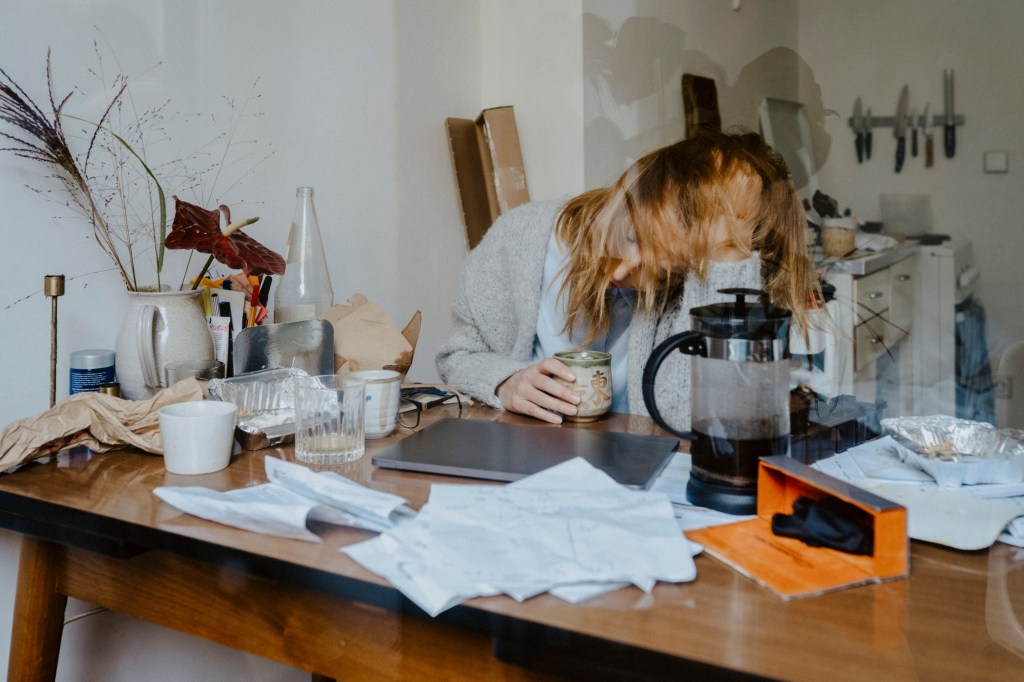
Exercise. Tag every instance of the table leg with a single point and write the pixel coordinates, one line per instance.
(38, 614)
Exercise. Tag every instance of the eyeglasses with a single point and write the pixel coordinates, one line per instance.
(409, 414)
(417, 397)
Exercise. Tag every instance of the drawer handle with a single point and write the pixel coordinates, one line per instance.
(876, 294)
(876, 340)
(903, 278)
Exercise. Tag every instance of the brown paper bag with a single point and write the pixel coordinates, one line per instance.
(98, 421)
(366, 338)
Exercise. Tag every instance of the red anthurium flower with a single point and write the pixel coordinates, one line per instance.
(199, 229)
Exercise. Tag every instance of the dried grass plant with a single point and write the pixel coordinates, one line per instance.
(106, 172)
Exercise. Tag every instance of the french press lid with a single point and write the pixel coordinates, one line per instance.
(741, 330)
(742, 319)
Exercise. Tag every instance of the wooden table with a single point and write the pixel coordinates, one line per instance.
(94, 531)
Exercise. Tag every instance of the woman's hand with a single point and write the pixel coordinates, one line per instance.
(535, 392)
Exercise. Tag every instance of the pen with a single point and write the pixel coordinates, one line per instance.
(265, 290)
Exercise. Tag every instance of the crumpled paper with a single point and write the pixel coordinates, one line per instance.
(99, 421)
(569, 530)
(293, 497)
(366, 338)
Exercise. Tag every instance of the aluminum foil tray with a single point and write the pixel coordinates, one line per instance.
(266, 405)
(958, 452)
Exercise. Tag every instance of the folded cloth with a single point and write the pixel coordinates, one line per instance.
(828, 522)
(99, 421)
(874, 242)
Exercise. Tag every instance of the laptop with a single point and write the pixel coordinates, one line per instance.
(496, 451)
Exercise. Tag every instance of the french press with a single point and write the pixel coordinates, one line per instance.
(739, 396)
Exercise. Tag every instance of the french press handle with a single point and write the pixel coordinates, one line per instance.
(690, 343)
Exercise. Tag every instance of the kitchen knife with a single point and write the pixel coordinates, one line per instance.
(913, 131)
(950, 122)
(899, 128)
(929, 141)
(858, 130)
(868, 124)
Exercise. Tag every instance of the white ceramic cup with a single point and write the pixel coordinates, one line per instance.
(383, 396)
(198, 435)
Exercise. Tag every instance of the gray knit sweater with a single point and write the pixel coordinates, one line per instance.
(496, 307)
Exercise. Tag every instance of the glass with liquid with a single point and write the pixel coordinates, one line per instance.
(329, 419)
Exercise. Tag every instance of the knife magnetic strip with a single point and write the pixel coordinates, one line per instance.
(890, 121)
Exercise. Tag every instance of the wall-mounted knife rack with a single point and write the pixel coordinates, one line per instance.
(938, 120)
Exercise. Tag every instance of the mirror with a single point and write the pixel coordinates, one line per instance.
(784, 126)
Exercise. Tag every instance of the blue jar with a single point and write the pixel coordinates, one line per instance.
(90, 369)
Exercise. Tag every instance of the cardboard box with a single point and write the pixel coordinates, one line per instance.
(791, 568)
(366, 338)
(489, 171)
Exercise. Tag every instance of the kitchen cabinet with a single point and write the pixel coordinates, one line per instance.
(869, 355)
(892, 335)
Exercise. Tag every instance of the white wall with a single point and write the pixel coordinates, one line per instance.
(870, 49)
(635, 55)
(826, 54)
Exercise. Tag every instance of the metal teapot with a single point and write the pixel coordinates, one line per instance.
(739, 396)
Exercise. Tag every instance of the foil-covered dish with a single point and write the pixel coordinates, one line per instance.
(957, 451)
(266, 405)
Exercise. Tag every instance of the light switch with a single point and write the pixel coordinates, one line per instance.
(996, 162)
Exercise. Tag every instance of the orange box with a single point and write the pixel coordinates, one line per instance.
(791, 568)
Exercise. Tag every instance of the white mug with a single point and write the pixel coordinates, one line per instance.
(383, 395)
(197, 436)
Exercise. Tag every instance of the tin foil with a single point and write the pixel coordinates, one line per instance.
(266, 405)
(959, 451)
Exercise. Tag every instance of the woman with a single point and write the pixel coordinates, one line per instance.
(619, 268)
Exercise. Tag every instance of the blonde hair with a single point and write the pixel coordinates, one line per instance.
(668, 204)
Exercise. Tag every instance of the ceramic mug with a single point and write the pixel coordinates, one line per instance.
(839, 237)
(593, 370)
(197, 436)
(383, 396)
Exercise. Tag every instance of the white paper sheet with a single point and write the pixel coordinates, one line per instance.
(569, 530)
(672, 481)
(377, 510)
(293, 497)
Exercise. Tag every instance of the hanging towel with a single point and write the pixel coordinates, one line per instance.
(975, 390)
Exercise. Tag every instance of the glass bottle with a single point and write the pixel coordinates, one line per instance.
(304, 291)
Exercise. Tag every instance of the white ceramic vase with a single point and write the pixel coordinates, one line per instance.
(159, 328)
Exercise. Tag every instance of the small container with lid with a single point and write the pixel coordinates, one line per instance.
(90, 369)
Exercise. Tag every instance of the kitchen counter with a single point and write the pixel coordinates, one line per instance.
(864, 262)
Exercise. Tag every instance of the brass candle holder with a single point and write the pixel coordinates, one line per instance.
(53, 288)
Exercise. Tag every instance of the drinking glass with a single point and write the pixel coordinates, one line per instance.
(329, 419)
(202, 369)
